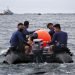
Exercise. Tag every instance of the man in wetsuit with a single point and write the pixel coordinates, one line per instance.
(50, 26)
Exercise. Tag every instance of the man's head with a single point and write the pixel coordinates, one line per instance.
(57, 27)
(50, 25)
(20, 26)
(26, 24)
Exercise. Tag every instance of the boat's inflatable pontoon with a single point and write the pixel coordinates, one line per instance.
(39, 55)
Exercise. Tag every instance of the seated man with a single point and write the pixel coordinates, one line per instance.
(17, 41)
(59, 39)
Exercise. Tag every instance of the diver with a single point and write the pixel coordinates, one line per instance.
(59, 40)
(50, 26)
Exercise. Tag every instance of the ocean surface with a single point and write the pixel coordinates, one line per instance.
(8, 24)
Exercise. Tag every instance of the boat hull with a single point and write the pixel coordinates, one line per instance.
(14, 58)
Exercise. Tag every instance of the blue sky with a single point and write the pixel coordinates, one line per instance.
(36, 6)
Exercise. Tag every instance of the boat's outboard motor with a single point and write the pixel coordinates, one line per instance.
(37, 49)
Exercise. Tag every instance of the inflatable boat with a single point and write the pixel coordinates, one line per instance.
(39, 54)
